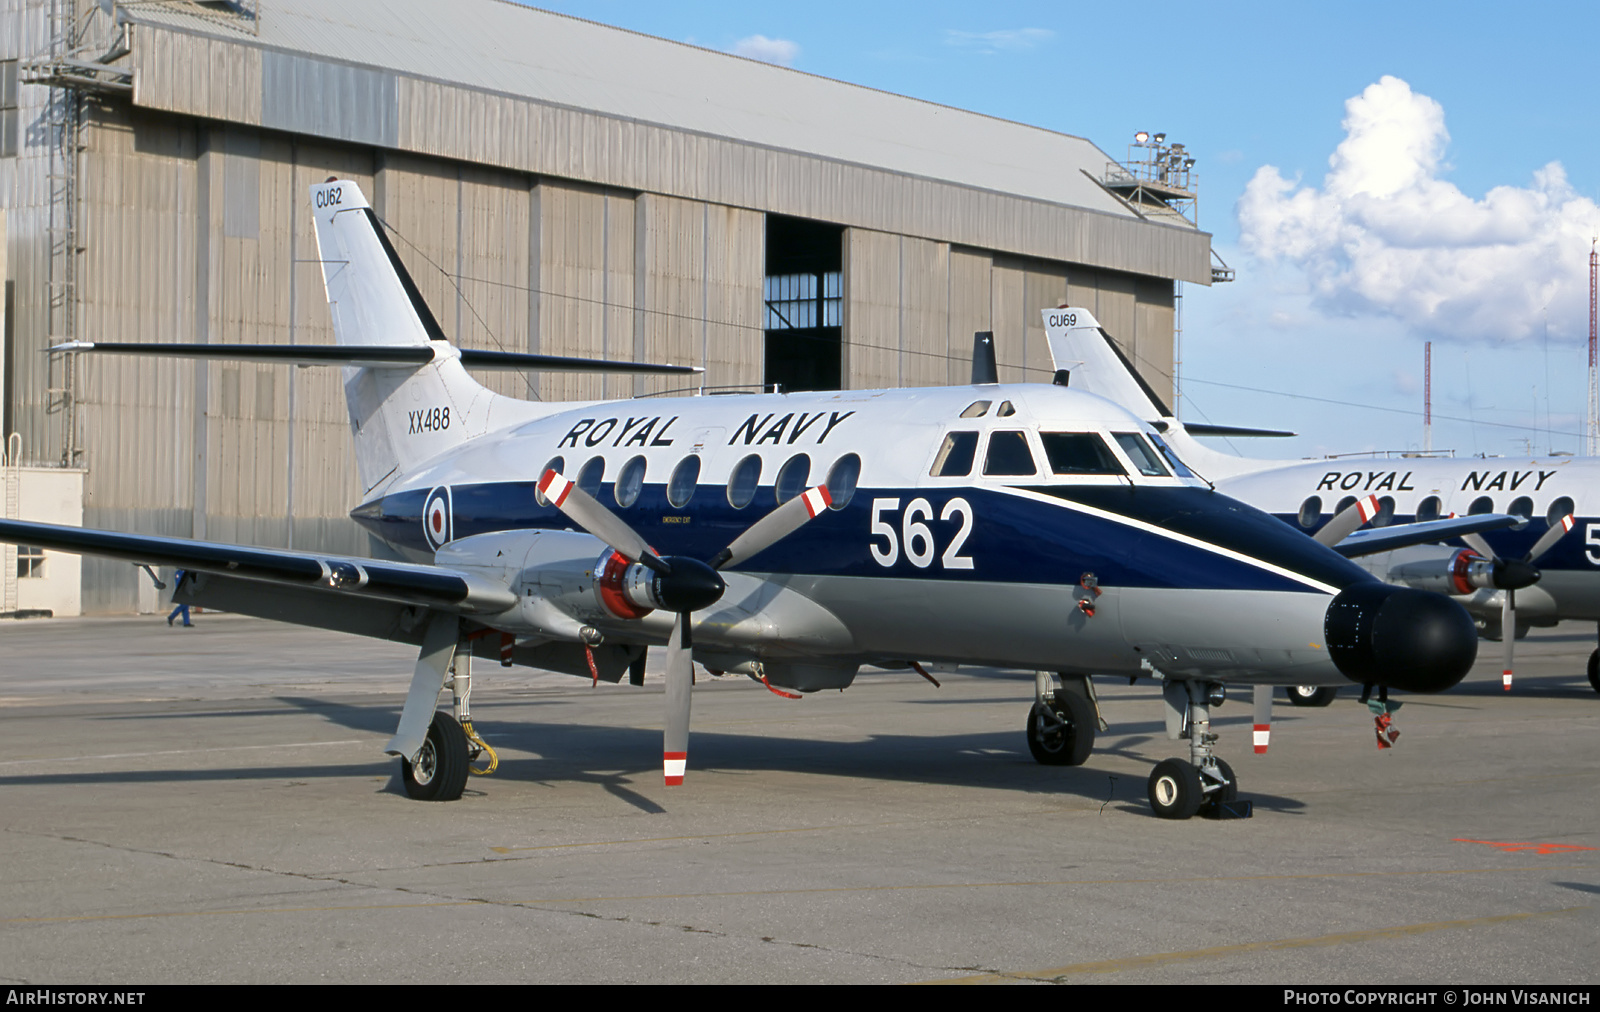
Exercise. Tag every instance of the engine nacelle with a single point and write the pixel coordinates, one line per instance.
(1464, 572)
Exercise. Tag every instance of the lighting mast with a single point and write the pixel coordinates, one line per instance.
(1594, 378)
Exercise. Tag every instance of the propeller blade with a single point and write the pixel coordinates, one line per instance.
(1508, 634)
(680, 682)
(775, 526)
(1345, 522)
(584, 510)
(1263, 722)
(1545, 543)
(1477, 544)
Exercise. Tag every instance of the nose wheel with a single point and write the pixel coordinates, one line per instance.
(1594, 670)
(1205, 784)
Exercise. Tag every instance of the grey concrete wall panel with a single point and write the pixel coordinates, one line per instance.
(309, 96)
(871, 309)
(967, 309)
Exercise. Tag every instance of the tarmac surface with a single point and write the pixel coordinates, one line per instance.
(213, 805)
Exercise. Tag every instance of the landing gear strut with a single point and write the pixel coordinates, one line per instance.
(1179, 789)
(1061, 723)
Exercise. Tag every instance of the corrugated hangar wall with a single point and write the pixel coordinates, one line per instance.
(197, 229)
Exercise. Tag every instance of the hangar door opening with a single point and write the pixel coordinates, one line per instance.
(804, 304)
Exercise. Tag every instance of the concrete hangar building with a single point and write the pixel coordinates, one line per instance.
(553, 185)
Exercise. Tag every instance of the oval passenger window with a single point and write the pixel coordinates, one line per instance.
(630, 482)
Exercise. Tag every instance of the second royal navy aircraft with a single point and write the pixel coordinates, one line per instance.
(1543, 569)
(795, 538)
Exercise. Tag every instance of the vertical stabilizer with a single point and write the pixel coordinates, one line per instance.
(402, 415)
(1080, 345)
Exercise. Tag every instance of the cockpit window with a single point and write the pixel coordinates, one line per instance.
(1005, 410)
(1079, 453)
(1138, 451)
(1009, 455)
(955, 456)
(977, 409)
(1178, 467)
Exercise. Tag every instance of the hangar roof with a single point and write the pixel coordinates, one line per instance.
(502, 47)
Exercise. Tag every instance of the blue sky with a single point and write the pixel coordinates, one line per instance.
(1341, 278)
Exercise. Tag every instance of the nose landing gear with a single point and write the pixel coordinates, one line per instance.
(1204, 784)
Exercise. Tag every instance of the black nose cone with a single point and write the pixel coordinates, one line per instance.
(1401, 638)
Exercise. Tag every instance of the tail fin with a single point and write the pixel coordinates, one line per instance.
(399, 415)
(1081, 346)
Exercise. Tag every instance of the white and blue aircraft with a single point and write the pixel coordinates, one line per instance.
(1542, 570)
(794, 538)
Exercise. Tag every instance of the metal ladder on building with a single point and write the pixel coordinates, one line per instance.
(11, 466)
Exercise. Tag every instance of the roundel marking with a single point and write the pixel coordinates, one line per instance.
(436, 517)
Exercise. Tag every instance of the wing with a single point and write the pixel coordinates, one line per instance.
(1385, 539)
(400, 582)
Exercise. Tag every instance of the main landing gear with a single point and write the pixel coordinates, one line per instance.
(1594, 670)
(1062, 722)
(1203, 784)
(434, 765)
(1311, 695)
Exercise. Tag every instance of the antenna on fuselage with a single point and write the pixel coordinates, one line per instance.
(984, 369)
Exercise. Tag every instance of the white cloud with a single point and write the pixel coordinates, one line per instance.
(1385, 235)
(759, 47)
(989, 43)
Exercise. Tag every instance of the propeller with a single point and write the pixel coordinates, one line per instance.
(1345, 522)
(1512, 574)
(679, 584)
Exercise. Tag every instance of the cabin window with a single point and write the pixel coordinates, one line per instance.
(1311, 512)
(1482, 504)
(1009, 455)
(590, 477)
(1385, 515)
(742, 483)
(977, 409)
(792, 477)
(842, 478)
(1562, 507)
(680, 487)
(1429, 509)
(1139, 452)
(955, 456)
(1522, 507)
(630, 482)
(1344, 504)
(557, 464)
(1079, 453)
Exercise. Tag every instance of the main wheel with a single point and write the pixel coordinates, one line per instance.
(440, 772)
(1228, 793)
(1594, 670)
(1175, 789)
(1067, 740)
(1311, 695)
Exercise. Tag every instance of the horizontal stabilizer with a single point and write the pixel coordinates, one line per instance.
(376, 356)
(393, 581)
(1386, 539)
(1203, 429)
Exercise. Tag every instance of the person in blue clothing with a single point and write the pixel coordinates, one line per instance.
(183, 609)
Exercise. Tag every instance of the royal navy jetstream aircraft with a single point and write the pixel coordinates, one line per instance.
(1022, 526)
(1541, 570)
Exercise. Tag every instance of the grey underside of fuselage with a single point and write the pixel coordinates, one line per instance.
(1222, 635)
